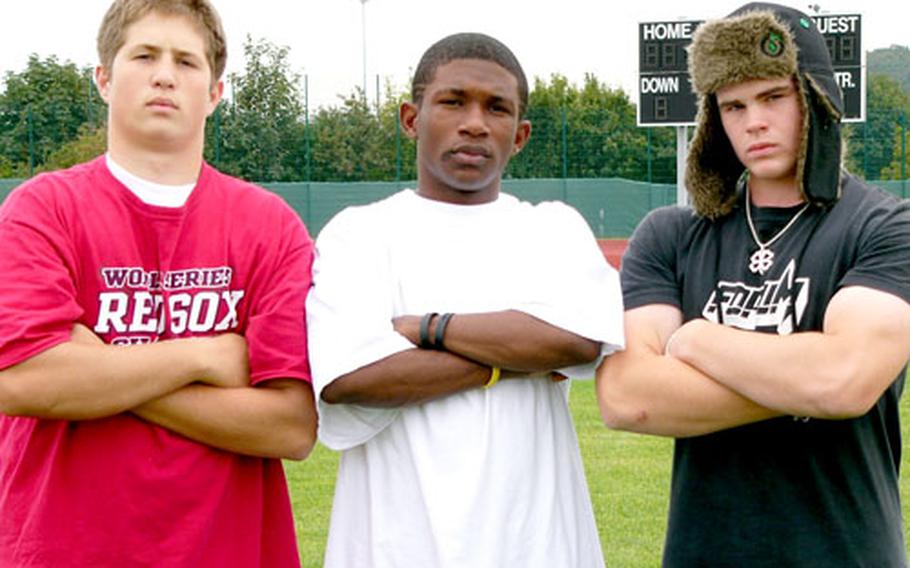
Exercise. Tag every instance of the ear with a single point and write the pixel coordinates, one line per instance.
(407, 116)
(522, 135)
(216, 91)
(103, 82)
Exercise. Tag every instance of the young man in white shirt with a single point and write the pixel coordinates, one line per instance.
(442, 322)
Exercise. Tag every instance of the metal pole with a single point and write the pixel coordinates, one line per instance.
(398, 148)
(903, 156)
(650, 176)
(306, 132)
(89, 115)
(866, 149)
(682, 150)
(565, 154)
(218, 135)
(31, 144)
(306, 150)
(363, 21)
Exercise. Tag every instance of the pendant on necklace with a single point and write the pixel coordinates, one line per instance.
(761, 261)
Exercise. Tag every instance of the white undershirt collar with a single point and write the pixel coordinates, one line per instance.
(149, 192)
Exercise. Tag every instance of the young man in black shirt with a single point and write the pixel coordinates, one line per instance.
(768, 327)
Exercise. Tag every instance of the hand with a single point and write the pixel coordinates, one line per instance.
(84, 335)
(680, 339)
(554, 376)
(226, 360)
(409, 327)
(558, 377)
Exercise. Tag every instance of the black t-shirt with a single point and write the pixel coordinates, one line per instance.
(786, 491)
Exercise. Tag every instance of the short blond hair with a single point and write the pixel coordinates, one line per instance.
(123, 13)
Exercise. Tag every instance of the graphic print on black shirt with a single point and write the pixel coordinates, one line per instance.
(760, 308)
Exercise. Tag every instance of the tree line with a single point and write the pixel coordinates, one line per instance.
(52, 117)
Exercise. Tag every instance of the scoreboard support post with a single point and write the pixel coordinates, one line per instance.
(682, 150)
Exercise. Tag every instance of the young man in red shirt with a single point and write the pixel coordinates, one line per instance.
(152, 337)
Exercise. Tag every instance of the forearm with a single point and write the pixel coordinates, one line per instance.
(276, 420)
(515, 340)
(803, 374)
(406, 378)
(655, 394)
(80, 381)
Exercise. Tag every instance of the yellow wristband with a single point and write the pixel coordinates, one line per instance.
(495, 372)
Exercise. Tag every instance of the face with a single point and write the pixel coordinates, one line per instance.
(159, 88)
(763, 120)
(467, 128)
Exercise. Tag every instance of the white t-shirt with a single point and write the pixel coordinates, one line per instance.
(484, 477)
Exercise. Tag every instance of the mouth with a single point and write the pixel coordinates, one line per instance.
(761, 149)
(470, 154)
(161, 103)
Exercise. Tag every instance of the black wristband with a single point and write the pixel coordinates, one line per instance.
(438, 343)
(425, 330)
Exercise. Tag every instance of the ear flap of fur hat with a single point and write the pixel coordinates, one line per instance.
(712, 167)
(760, 41)
(821, 170)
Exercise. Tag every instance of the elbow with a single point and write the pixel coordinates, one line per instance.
(619, 416)
(14, 401)
(298, 440)
(617, 409)
(300, 447)
(579, 352)
(335, 393)
(351, 389)
(7, 403)
(842, 394)
(836, 407)
(303, 430)
(843, 406)
(588, 350)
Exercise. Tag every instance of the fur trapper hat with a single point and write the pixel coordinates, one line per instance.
(761, 41)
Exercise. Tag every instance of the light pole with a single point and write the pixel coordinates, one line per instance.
(363, 21)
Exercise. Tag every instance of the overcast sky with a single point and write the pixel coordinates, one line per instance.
(570, 37)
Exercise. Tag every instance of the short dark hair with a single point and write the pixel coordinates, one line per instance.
(468, 46)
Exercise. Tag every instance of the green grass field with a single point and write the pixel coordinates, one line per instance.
(628, 476)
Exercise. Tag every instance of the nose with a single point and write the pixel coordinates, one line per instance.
(756, 119)
(163, 75)
(474, 120)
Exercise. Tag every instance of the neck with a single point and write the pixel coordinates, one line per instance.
(775, 192)
(159, 166)
(447, 194)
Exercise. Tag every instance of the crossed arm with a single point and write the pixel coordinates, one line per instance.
(198, 387)
(518, 343)
(715, 377)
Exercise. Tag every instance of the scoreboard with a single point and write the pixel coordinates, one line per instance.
(665, 96)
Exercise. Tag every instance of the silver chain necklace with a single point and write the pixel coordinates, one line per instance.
(762, 259)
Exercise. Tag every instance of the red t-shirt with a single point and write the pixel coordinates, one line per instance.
(77, 246)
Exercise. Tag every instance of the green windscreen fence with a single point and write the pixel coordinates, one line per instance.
(611, 206)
